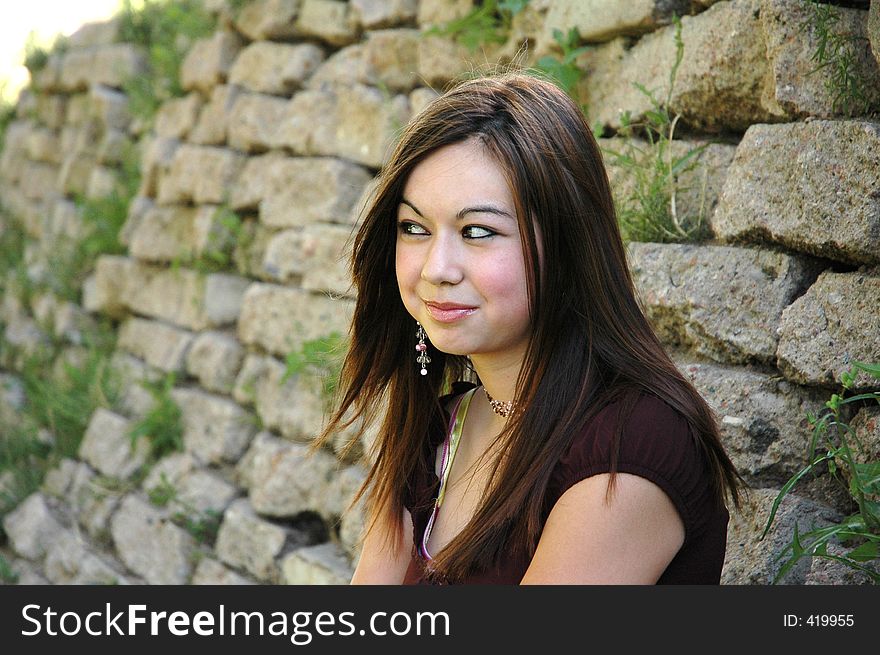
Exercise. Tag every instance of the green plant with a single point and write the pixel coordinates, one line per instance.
(163, 493)
(55, 413)
(7, 575)
(832, 445)
(218, 254)
(36, 56)
(201, 524)
(488, 22)
(838, 51)
(162, 425)
(63, 404)
(564, 70)
(7, 112)
(650, 211)
(165, 29)
(320, 357)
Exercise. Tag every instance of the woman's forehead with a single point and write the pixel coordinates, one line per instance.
(463, 172)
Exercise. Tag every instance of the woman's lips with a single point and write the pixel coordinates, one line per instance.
(448, 312)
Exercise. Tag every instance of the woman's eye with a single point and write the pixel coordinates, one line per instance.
(408, 227)
(477, 232)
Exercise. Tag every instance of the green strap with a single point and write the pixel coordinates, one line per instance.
(454, 440)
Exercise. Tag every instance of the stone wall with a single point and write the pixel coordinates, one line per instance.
(290, 109)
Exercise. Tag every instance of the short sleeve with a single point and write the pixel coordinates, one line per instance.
(655, 444)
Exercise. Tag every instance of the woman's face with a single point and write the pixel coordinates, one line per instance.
(460, 265)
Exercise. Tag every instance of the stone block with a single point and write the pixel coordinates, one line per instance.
(195, 488)
(249, 543)
(378, 14)
(40, 181)
(294, 406)
(442, 61)
(103, 182)
(208, 62)
(184, 297)
(32, 527)
(177, 117)
(253, 120)
(43, 145)
(108, 446)
(825, 571)
(70, 560)
(110, 65)
(281, 319)
(151, 545)
(387, 59)
(104, 291)
(285, 480)
(328, 20)
(833, 323)
(137, 209)
(180, 234)
(95, 33)
(160, 345)
(215, 359)
(752, 561)
(762, 419)
(598, 20)
(718, 86)
(131, 372)
(722, 302)
(73, 177)
(109, 107)
(268, 19)
(215, 429)
(800, 85)
(437, 12)
(275, 68)
(354, 122)
(317, 254)
(324, 564)
(213, 122)
(295, 191)
(51, 110)
(200, 174)
(156, 159)
(211, 572)
(807, 186)
(93, 500)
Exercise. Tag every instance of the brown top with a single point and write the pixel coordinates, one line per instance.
(655, 444)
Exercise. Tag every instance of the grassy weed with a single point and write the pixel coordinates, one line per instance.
(488, 23)
(165, 29)
(650, 212)
(837, 52)
(162, 425)
(834, 444)
(321, 358)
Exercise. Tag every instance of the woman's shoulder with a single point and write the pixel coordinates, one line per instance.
(637, 432)
(641, 434)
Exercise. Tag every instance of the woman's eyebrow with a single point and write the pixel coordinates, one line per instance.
(477, 209)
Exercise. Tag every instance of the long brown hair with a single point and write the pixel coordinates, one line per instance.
(591, 343)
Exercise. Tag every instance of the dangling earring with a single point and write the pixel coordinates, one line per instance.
(422, 348)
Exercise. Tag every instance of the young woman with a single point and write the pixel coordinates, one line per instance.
(533, 428)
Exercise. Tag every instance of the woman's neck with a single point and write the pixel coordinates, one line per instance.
(498, 373)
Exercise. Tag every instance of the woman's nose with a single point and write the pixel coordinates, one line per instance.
(442, 263)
